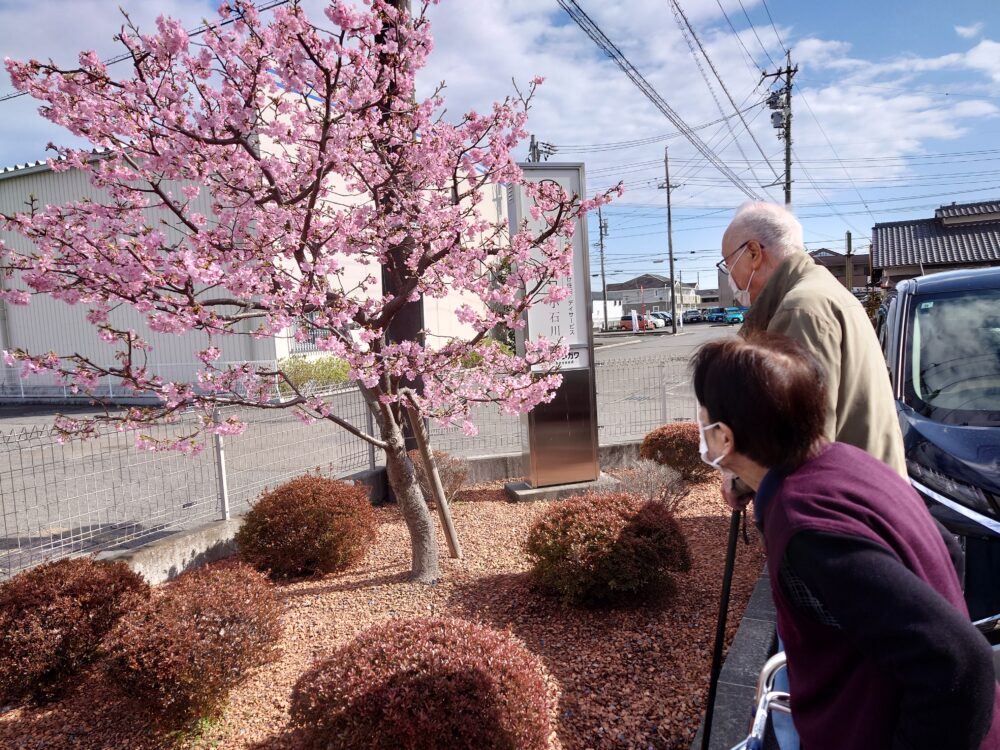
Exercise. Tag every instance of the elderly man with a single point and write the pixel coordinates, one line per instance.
(768, 268)
(764, 257)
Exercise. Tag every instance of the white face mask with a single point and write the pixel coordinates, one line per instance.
(703, 444)
(741, 296)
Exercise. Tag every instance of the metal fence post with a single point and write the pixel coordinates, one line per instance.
(663, 393)
(220, 469)
(370, 427)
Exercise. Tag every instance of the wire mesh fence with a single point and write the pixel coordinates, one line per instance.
(635, 396)
(59, 498)
(49, 387)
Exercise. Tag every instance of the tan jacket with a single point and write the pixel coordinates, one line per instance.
(805, 302)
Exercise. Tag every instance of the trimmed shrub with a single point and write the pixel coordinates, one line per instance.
(654, 482)
(312, 374)
(309, 525)
(608, 549)
(53, 619)
(453, 471)
(475, 359)
(425, 684)
(178, 655)
(676, 445)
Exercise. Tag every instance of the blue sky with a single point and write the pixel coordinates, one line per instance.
(897, 105)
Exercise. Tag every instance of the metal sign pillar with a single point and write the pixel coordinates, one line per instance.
(561, 436)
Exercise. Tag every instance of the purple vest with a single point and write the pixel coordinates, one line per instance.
(839, 699)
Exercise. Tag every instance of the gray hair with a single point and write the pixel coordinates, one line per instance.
(773, 226)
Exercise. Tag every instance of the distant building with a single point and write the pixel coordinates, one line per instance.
(614, 308)
(708, 297)
(836, 263)
(961, 235)
(650, 292)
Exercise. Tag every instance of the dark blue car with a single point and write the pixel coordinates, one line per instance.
(941, 338)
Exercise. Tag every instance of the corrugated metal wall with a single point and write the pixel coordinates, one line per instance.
(50, 325)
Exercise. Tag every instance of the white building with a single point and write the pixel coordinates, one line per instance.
(51, 325)
(614, 308)
(650, 292)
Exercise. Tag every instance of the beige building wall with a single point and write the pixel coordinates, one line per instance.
(47, 324)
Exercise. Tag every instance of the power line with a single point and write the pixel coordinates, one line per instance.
(194, 32)
(948, 156)
(754, 30)
(676, 4)
(775, 28)
(830, 204)
(592, 30)
(815, 118)
(697, 166)
(687, 33)
(835, 154)
(616, 145)
(753, 63)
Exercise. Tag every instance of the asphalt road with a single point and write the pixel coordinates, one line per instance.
(612, 346)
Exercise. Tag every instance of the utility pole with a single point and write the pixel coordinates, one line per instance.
(533, 155)
(602, 232)
(680, 280)
(538, 150)
(849, 268)
(670, 241)
(781, 119)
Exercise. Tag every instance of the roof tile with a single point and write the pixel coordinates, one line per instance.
(928, 241)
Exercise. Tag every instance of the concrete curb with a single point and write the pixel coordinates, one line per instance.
(165, 558)
(754, 643)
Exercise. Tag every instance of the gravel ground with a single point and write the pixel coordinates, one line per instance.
(626, 679)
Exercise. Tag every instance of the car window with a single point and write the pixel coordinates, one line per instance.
(952, 366)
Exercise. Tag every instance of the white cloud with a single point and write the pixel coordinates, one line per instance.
(47, 29)
(868, 108)
(971, 31)
(985, 58)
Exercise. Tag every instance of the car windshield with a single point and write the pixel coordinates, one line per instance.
(953, 357)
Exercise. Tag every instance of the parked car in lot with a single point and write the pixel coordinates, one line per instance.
(662, 316)
(645, 324)
(692, 316)
(716, 315)
(656, 320)
(734, 315)
(941, 339)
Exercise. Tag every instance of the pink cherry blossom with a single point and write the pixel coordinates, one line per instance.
(317, 159)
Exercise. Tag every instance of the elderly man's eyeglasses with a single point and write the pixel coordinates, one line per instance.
(725, 266)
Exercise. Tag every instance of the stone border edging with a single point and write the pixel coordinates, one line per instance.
(754, 643)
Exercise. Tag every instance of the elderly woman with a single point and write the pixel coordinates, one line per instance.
(881, 653)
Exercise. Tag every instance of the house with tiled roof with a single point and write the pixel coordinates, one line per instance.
(961, 235)
(837, 264)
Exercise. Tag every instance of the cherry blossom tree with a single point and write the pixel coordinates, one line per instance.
(318, 158)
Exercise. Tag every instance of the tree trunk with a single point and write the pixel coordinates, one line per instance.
(403, 481)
